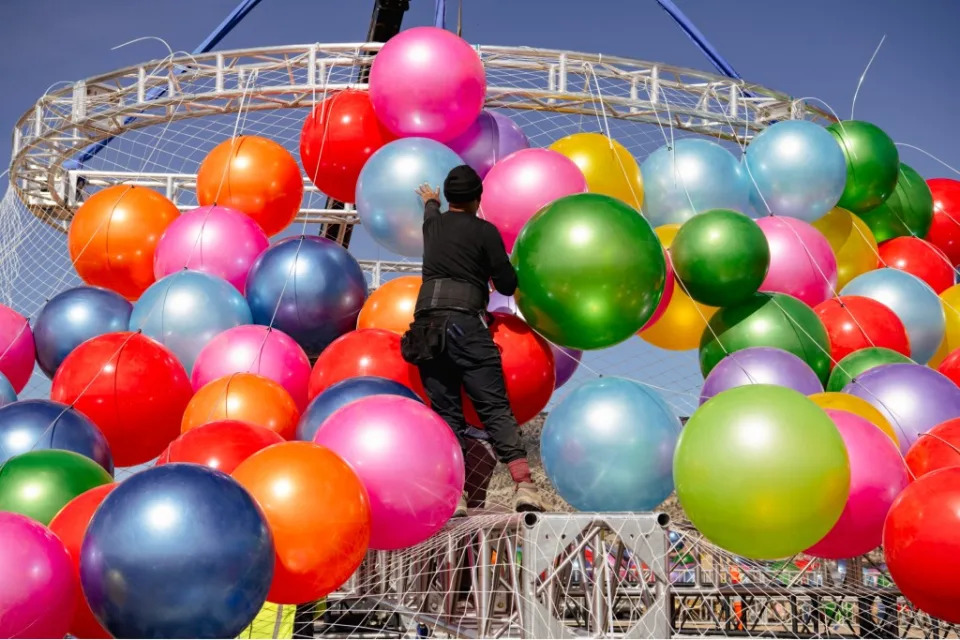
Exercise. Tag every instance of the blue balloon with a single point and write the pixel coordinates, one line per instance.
(387, 200)
(186, 310)
(693, 176)
(912, 300)
(310, 288)
(608, 446)
(74, 316)
(177, 551)
(343, 393)
(798, 168)
(7, 393)
(31, 425)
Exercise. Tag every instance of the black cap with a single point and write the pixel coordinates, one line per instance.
(463, 184)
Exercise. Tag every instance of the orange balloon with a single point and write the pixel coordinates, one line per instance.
(319, 513)
(391, 306)
(114, 234)
(247, 397)
(256, 176)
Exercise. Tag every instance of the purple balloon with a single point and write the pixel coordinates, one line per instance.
(492, 136)
(761, 365)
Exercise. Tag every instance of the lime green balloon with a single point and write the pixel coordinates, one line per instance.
(907, 212)
(591, 271)
(767, 320)
(39, 483)
(762, 471)
(873, 163)
(721, 257)
(859, 362)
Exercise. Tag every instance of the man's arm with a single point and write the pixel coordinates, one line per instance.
(501, 271)
(431, 201)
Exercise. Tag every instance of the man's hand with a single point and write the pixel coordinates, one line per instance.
(427, 193)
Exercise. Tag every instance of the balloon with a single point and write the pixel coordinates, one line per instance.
(795, 168)
(338, 137)
(608, 446)
(7, 394)
(669, 286)
(606, 164)
(920, 258)
(186, 310)
(938, 448)
(310, 288)
(691, 176)
(944, 231)
(914, 302)
(212, 239)
(74, 316)
(523, 183)
(38, 589)
(760, 365)
(950, 366)
(114, 234)
(907, 212)
(591, 271)
(365, 352)
(387, 200)
(427, 82)
(802, 263)
(33, 425)
(852, 242)
(341, 394)
(17, 350)
(220, 444)
(254, 349)
(318, 512)
(503, 304)
(492, 137)
(858, 406)
(767, 320)
(246, 397)
(857, 362)
(391, 306)
(177, 551)
(38, 483)
(731, 459)
(854, 323)
(872, 163)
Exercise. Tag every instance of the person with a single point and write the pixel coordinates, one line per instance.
(449, 340)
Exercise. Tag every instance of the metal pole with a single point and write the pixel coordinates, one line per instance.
(440, 14)
(717, 60)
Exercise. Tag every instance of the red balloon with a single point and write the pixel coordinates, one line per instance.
(338, 137)
(920, 258)
(856, 322)
(221, 445)
(950, 366)
(133, 388)
(936, 449)
(945, 229)
(921, 541)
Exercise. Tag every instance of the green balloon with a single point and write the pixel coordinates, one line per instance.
(767, 320)
(721, 257)
(39, 483)
(907, 212)
(762, 471)
(873, 163)
(591, 271)
(859, 362)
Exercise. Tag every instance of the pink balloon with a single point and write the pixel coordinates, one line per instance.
(427, 82)
(408, 459)
(877, 476)
(38, 586)
(523, 183)
(255, 349)
(668, 287)
(802, 263)
(17, 350)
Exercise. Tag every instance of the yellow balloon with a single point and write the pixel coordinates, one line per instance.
(858, 406)
(273, 621)
(852, 242)
(950, 300)
(666, 233)
(606, 164)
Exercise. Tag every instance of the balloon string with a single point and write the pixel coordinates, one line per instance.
(864, 75)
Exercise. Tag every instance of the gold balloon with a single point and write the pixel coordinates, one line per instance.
(852, 242)
(857, 406)
(950, 300)
(606, 164)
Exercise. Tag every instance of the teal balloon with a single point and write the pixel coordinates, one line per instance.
(591, 271)
(907, 212)
(872, 164)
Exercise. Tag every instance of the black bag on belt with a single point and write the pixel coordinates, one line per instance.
(424, 340)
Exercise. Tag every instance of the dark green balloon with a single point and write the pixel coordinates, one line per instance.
(721, 257)
(591, 271)
(859, 362)
(907, 212)
(873, 163)
(767, 320)
(39, 483)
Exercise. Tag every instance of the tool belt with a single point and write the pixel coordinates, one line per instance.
(426, 338)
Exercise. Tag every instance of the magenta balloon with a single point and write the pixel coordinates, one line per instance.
(802, 263)
(427, 82)
(523, 183)
(408, 459)
(760, 365)
(668, 287)
(38, 585)
(877, 476)
(17, 349)
(255, 349)
(492, 137)
(213, 239)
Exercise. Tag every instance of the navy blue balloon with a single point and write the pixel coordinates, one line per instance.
(75, 316)
(311, 288)
(32, 425)
(177, 551)
(342, 394)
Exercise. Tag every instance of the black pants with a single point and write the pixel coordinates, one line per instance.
(471, 360)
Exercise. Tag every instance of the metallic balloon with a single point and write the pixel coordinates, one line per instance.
(391, 305)
(492, 137)
(607, 165)
(857, 406)
(859, 362)
(950, 301)
(7, 393)
(945, 227)
(32, 425)
(852, 242)
(907, 212)
(802, 263)
(39, 483)
(872, 164)
(177, 551)
(761, 365)
(310, 288)
(608, 446)
(17, 348)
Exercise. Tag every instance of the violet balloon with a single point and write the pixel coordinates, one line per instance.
(17, 349)
(802, 263)
(492, 137)
(761, 365)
